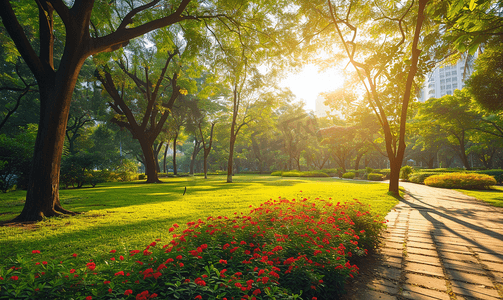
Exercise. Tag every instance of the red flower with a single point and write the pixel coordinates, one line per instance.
(171, 229)
(72, 271)
(14, 278)
(121, 257)
(110, 290)
(198, 297)
(75, 255)
(89, 298)
(128, 292)
(44, 263)
(256, 292)
(106, 282)
(113, 258)
(314, 298)
(35, 251)
(91, 266)
(119, 273)
(113, 251)
(179, 257)
(222, 261)
(154, 295)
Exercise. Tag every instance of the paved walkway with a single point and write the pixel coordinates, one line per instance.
(440, 244)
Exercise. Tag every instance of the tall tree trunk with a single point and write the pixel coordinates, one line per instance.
(149, 160)
(197, 148)
(165, 154)
(231, 156)
(174, 154)
(42, 198)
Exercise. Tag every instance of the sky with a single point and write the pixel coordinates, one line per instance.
(309, 83)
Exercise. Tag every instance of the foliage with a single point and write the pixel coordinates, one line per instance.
(461, 181)
(348, 175)
(497, 174)
(485, 83)
(419, 177)
(261, 255)
(15, 158)
(276, 173)
(375, 177)
(304, 174)
(405, 172)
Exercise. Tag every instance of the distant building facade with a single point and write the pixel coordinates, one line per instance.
(443, 81)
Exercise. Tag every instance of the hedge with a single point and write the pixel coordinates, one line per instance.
(461, 181)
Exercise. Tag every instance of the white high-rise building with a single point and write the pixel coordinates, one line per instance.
(443, 81)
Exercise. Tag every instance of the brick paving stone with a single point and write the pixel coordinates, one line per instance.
(393, 245)
(389, 272)
(383, 285)
(429, 246)
(424, 269)
(416, 292)
(458, 257)
(426, 281)
(453, 248)
(455, 275)
(464, 266)
(432, 260)
(491, 257)
(498, 276)
(392, 252)
(392, 261)
(493, 266)
(429, 252)
(369, 294)
(472, 290)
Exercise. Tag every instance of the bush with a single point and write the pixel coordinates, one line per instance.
(276, 173)
(497, 174)
(261, 255)
(369, 170)
(375, 177)
(143, 176)
(348, 175)
(313, 174)
(419, 177)
(461, 181)
(293, 173)
(405, 171)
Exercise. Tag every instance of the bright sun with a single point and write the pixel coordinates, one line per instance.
(309, 83)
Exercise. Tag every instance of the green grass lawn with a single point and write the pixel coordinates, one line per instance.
(131, 215)
(493, 196)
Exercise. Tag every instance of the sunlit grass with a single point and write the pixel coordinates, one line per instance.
(131, 215)
(494, 196)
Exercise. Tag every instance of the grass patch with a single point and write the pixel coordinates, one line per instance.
(493, 196)
(128, 215)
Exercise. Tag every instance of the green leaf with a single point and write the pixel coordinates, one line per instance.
(472, 5)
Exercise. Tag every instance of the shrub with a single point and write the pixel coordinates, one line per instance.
(264, 254)
(497, 174)
(369, 170)
(405, 171)
(461, 181)
(293, 173)
(313, 174)
(375, 177)
(143, 176)
(348, 175)
(276, 173)
(419, 177)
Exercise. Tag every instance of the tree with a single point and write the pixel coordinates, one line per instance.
(452, 116)
(389, 51)
(486, 83)
(57, 82)
(151, 108)
(206, 147)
